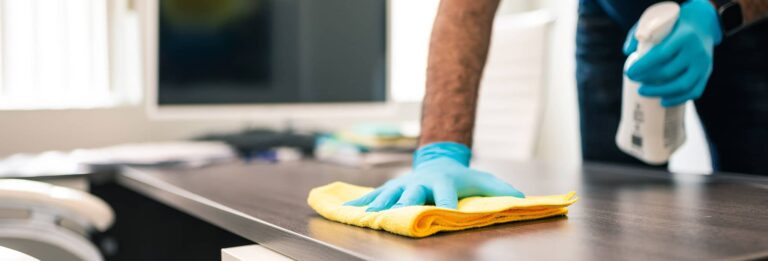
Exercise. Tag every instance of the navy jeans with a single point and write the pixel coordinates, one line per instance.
(733, 108)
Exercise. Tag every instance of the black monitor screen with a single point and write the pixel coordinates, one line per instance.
(271, 51)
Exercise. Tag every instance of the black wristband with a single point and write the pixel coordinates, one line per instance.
(730, 16)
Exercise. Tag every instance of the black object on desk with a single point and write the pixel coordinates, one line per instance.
(253, 141)
(623, 213)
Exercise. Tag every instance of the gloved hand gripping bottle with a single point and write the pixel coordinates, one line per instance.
(647, 130)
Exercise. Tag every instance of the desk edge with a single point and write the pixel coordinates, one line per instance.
(266, 234)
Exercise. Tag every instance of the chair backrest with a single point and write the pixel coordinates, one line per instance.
(511, 96)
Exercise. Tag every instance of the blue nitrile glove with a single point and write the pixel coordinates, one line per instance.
(441, 175)
(677, 69)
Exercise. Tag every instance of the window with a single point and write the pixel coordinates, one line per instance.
(410, 27)
(54, 54)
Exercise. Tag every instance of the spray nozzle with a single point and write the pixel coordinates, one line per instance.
(656, 22)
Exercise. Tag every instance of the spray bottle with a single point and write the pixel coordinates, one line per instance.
(647, 130)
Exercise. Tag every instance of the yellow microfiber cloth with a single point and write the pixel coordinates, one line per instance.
(422, 221)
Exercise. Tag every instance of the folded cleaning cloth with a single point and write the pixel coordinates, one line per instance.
(422, 221)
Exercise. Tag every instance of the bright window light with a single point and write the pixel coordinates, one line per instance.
(411, 24)
(53, 54)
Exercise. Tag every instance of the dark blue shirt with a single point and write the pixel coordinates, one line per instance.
(624, 12)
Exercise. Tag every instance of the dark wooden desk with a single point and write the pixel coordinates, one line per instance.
(623, 213)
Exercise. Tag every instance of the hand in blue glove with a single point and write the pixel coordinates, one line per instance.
(441, 176)
(677, 69)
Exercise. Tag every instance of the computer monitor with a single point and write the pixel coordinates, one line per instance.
(303, 57)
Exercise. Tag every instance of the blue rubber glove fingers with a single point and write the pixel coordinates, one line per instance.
(696, 32)
(687, 86)
(490, 185)
(694, 93)
(465, 182)
(675, 46)
(675, 68)
(630, 45)
(667, 70)
(440, 181)
(441, 176)
(365, 199)
(388, 197)
(445, 194)
(413, 195)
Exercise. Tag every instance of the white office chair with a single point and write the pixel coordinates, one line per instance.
(512, 91)
(50, 222)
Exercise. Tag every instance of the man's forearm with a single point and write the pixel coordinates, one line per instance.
(753, 10)
(457, 52)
